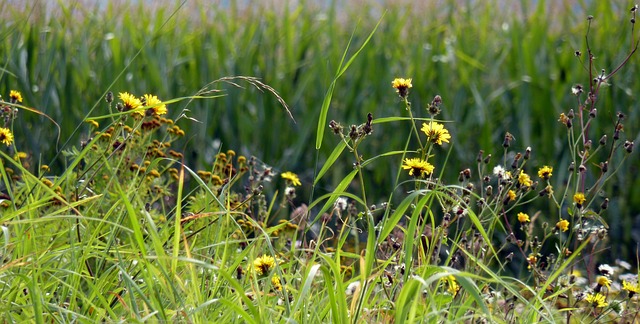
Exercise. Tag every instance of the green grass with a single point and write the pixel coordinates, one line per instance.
(99, 236)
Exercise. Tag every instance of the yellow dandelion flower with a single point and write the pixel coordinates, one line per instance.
(436, 132)
(402, 86)
(418, 167)
(15, 96)
(452, 285)
(524, 179)
(523, 218)
(263, 265)
(632, 288)
(5, 136)
(275, 282)
(597, 300)
(579, 199)
(291, 178)
(129, 101)
(156, 104)
(604, 281)
(512, 195)
(563, 225)
(545, 172)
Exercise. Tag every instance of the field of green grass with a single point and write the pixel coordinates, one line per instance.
(108, 216)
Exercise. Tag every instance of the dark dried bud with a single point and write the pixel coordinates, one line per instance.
(434, 106)
(605, 204)
(487, 159)
(489, 191)
(571, 114)
(120, 106)
(486, 179)
(461, 177)
(616, 135)
(603, 140)
(633, 20)
(353, 134)
(604, 166)
(335, 127)
(589, 17)
(578, 53)
(109, 97)
(479, 158)
(634, 8)
(587, 145)
(582, 168)
(628, 145)
(572, 167)
(507, 140)
(467, 173)
(470, 186)
(620, 116)
(509, 257)
(593, 113)
(569, 123)
(367, 129)
(527, 153)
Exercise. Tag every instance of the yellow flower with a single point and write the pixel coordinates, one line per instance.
(156, 104)
(436, 132)
(5, 136)
(597, 300)
(275, 282)
(563, 225)
(531, 260)
(291, 178)
(402, 86)
(92, 123)
(262, 265)
(524, 179)
(523, 218)
(129, 101)
(545, 172)
(15, 96)
(20, 156)
(579, 199)
(604, 281)
(452, 285)
(417, 167)
(631, 288)
(512, 195)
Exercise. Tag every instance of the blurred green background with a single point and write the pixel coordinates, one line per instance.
(499, 66)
